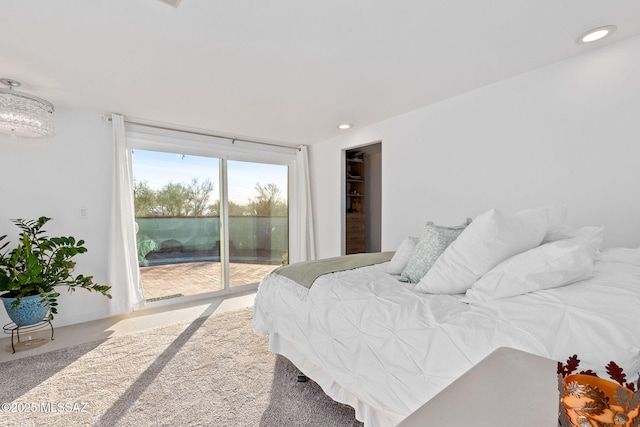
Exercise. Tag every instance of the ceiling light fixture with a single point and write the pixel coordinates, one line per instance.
(24, 115)
(344, 126)
(596, 34)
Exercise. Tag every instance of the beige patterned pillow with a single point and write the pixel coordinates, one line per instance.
(435, 239)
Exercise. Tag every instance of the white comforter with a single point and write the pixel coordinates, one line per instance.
(373, 343)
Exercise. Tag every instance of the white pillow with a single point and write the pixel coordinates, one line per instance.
(490, 239)
(556, 216)
(550, 265)
(403, 254)
(435, 239)
(565, 232)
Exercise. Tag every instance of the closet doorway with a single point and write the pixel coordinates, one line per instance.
(362, 199)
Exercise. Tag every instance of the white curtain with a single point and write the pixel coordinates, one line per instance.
(123, 273)
(304, 240)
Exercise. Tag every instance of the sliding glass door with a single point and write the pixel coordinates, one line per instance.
(258, 219)
(206, 224)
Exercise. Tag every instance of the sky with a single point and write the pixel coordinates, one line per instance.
(158, 169)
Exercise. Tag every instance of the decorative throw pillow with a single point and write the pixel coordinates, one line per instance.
(547, 266)
(435, 239)
(402, 255)
(490, 239)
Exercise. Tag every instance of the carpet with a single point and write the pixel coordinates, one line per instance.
(214, 371)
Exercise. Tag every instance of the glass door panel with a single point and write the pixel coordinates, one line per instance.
(177, 213)
(258, 220)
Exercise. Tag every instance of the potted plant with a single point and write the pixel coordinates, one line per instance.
(31, 272)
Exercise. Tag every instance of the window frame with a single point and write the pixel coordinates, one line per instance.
(142, 138)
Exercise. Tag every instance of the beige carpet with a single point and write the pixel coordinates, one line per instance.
(212, 372)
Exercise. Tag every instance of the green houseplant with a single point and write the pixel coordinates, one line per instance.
(37, 266)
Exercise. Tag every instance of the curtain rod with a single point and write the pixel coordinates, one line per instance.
(176, 129)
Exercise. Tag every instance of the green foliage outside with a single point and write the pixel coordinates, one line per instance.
(193, 199)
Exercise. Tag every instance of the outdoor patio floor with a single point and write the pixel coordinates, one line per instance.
(193, 278)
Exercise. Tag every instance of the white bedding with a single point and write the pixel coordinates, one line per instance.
(373, 343)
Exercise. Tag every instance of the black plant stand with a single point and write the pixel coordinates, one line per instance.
(14, 330)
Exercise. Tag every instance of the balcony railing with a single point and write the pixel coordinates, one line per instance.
(252, 239)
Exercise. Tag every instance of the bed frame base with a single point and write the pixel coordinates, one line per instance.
(302, 378)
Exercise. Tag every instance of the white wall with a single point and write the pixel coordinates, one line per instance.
(567, 134)
(55, 178)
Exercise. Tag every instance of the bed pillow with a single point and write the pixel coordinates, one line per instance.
(548, 266)
(565, 232)
(402, 255)
(556, 217)
(490, 239)
(434, 240)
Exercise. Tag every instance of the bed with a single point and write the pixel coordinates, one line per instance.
(386, 346)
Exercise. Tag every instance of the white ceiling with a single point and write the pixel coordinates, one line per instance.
(285, 70)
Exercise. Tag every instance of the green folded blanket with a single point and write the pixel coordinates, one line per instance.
(305, 273)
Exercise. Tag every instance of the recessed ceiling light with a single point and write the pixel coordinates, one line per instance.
(596, 34)
(344, 126)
